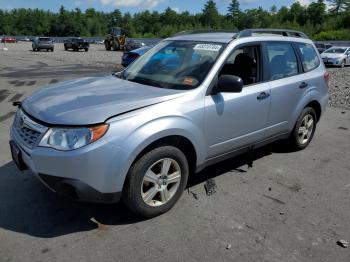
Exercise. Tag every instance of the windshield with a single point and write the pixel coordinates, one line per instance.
(174, 64)
(336, 51)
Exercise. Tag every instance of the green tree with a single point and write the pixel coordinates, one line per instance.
(338, 6)
(234, 12)
(316, 12)
(210, 16)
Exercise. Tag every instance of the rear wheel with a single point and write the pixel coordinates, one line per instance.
(86, 49)
(156, 181)
(107, 46)
(304, 129)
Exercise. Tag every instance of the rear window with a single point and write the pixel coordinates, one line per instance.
(309, 57)
(44, 39)
(282, 60)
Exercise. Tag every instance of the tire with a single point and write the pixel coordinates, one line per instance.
(342, 65)
(65, 47)
(86, 49)
(52, 50)
(116, 46)
(107, 46)
(303, 131)
(162, 194)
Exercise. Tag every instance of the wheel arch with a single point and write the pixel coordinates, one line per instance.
(315, 105)
(178, 141)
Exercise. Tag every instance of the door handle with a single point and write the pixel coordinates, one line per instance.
(263, 95)
(303, 85)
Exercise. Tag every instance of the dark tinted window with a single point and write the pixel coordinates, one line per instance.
(309, 57)
(244, 62)
(282, 60)
(44, 39)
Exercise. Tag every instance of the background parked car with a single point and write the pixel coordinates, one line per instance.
(336, 56)
(321, 47)
(8, 40)
(129, 57)
(76, 43)
(40, 43)
(133, 44)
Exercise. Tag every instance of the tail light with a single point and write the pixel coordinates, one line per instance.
(326, 77)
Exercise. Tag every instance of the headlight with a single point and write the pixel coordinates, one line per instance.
(72, 138)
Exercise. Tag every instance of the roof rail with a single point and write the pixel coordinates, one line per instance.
(204, 31)
(282, 32)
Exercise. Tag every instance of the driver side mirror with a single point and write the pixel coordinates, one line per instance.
(228, 84)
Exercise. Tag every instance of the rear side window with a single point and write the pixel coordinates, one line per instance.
(309, 57)
(282, 60)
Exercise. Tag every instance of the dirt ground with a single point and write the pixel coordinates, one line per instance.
(290, 206)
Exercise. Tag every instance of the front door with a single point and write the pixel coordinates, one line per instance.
(235, 120)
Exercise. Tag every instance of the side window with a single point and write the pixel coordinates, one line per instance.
(309, 57)
(244, 62)
(282, 60)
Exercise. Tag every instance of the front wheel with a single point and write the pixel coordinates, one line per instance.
(86, 49)
(116, 46)
(304, 129)
(342, 65)
(156, 181)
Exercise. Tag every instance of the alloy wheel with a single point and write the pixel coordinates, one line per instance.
(161, 182)
(306, 129)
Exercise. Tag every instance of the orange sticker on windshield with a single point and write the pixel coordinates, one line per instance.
(188, 81)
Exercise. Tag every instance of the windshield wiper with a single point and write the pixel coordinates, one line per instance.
(145, 81)
(119, 75)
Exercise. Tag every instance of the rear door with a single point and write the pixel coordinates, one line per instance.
(291, 74)
(287, 85)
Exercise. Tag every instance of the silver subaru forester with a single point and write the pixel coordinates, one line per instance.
(192, 100)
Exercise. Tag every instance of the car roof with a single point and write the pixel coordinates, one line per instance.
(226, 38)
(219, 37)
(249, 35)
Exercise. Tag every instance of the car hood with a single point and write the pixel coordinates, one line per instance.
(92, 100)
(331, 55)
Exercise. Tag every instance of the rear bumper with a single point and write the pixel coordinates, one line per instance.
(45, 46)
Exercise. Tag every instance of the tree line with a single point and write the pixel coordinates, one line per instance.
(322, 20)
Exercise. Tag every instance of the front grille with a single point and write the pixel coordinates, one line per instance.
(28, 131)
(28, 136)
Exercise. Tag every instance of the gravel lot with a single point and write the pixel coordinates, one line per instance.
(290, 206)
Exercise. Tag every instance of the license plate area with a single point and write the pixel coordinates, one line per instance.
(17, 156)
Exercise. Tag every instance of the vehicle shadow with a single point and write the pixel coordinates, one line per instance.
(27, 207)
